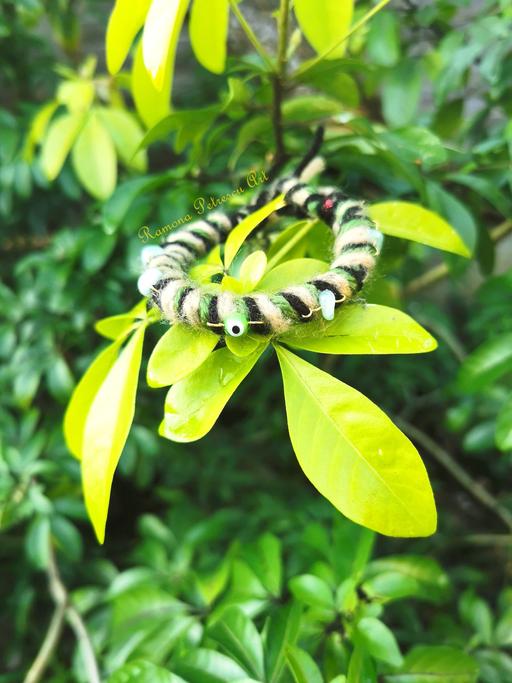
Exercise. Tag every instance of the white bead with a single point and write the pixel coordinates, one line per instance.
(327, 302)
(150, 252)
(377, 238)
(148, 280)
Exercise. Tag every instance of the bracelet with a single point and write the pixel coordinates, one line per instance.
(357, 244)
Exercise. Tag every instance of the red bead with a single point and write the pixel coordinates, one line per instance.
(328, 204)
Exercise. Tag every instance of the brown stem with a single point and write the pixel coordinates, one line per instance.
(278, 82)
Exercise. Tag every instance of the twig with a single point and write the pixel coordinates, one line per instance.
(278, 82)
(251, 35)
(441, 271)
(445, 459)
(63, 609)
(500, 540)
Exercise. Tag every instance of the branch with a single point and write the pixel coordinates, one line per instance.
(251, 35)
(278, 82)
(442, 456)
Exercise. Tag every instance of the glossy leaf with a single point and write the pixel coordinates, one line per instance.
(252, 270)
(293, 272)
(370, 328)
(83, 396)
(361, 669)
(242, 231)
(504, 427)
(127, 134)
(282, 632)
(160, 38)
(401, 576)
(488, 363)
(193, 405)
(351, 452)
(141, 671)
(208, 666)
(312, 591)
(152, 104)
(413, 222)
(57, 144)
(178, 353)
(302, 666)
(325, 23)
(126, 20)
(94, 159)
(378, 640)
(106, 430)
(115, 326)
(209, 33)
(438, 664)
(244, 346)
(240, 640)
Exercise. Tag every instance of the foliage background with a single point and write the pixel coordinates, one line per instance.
(421, 111)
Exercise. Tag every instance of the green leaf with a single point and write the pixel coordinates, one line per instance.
(127, 134)
(77, 95)
(242, 231)
(283, 630)
(401, 93)
(487, 364)
(126, 20)
(240, 640)
(360, 669)
(37, 541)
(207, 666)
(289, 242)
(329, 77)
(294, 272)
(455, 212)
(180, 351)
(438, 664)
(403, 576)
(413, 222)
(94, 159)
(38, 128)
(106, 429)
(83, 396)
(264, 558)
(504, 427)
(378, 640)
(252, 270)
(160, 38)
(351, 451)
(302, 666)
(370, 328)
(477, 613)
(325, 23)
(306, 108)
(193, 405)
(59, 139)
(244, 346)
(383, 42)
(312, 591)
(209, 32)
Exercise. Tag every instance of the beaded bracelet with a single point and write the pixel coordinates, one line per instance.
(357, 244)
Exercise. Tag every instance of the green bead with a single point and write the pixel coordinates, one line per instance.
(236, 325)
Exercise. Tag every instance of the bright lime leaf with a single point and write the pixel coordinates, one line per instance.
(370, 328)
(94, 159)
(243, 346)
(242, 231)
(302, 666)
(83, 396)
(486, 364)
(251, 270)
(152, 104)
(38, 128)
(312, 591)
(504, 428)
(352, 453)
(77, 95)
(240, 640)
(294, 272)
(325, 23)
(123, 25)
(288, 242)
(106, 430)
(206, 665)
(193, 405)
(59, 139)
(141, 671)
(127, 135)
(160, 38)
(119, 325)
(209, 32)
(178, 353)
(378, 640)
(438, 664)
(413, 222)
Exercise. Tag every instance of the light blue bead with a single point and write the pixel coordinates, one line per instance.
(148, 280)
(149, 252)
(327, 301)
(377, 238)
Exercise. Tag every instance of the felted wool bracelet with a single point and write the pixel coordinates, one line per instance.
(357, 244)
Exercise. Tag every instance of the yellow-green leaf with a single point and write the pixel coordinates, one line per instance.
(193, 405)
(242, 231)
(252, 270)
(77, 95)
(160, 38)
(413, 222)
(353, 454)
(83, 395)
(244, 346)
(124, 23)
(38, 128)
(178, 353)
(94, 159)
(152, 104)
(364, 329)
(294, 272)
(325, 23)
(59, 139)
(119, 325)
(209, 33)
(127, 135)
(106, 430)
